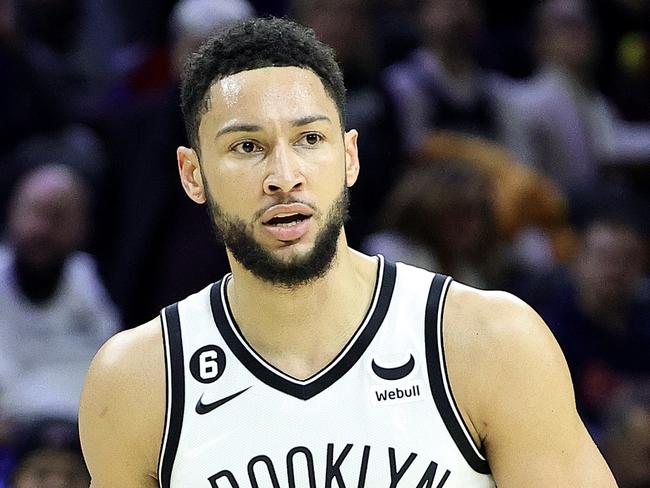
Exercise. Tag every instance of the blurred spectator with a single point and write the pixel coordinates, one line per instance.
(154, 233)
(442, 84)
(29, 102)
(531, 212)
(49, 456)
(469, 209)
(347, 26)
(74, 145)
(70, 45)
(626, 437)
(599, 308)
(55, 310)
(560, 121)
(440, 217)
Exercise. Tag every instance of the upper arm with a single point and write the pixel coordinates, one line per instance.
(523, 403)
(122, 410)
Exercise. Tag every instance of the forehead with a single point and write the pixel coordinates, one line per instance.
(46, 186)
(265, 95)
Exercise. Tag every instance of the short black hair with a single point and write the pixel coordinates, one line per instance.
(252, 44)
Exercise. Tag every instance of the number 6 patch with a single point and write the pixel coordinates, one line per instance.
(208, 364)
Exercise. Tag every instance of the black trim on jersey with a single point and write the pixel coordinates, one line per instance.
(175, 405)
(341, 364)
(440, 397)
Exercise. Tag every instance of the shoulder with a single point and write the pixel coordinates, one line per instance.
(514, 390)
(139, 348)
(123, 402)
(130, 364)
(496, 326)
(496, 345)
(493, 317)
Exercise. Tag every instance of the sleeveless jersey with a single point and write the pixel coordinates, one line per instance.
(380, 415)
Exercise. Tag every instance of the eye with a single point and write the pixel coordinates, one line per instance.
(311, 139)
(246, 147)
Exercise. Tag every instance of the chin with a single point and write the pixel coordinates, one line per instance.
(301, 246)
(293, 253)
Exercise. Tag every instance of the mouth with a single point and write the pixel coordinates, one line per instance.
(287, 223)
(287, 220)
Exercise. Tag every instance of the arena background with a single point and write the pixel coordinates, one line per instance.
(505, 143)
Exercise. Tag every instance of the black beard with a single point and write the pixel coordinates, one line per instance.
(295, 272)
(38, 283)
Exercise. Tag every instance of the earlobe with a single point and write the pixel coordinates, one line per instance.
(190, 174)
(351, 157)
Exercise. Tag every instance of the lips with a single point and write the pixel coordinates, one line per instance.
(287, 222)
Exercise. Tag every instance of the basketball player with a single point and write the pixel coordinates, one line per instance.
(312, 365)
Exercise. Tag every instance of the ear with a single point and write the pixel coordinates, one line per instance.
(190, 173)
(351, 157)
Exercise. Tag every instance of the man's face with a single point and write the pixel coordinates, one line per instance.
(568, 36)
(52, 468)
(47, 218)
(450, 22)
(276, 166)
(611, 263)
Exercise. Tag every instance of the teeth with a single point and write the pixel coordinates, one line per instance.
(288, 224)
(286, 219)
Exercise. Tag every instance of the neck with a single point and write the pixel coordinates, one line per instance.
(38, 284)
(301, 330)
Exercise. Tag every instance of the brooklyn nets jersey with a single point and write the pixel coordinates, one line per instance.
(380, 415)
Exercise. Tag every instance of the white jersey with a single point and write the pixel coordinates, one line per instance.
(380, 415)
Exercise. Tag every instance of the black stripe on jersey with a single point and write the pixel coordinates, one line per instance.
(173, 343)
(443, 401)
(341, 364)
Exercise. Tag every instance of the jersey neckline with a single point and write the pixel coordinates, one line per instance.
(337, 368)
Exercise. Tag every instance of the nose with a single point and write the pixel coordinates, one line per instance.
(284, 173)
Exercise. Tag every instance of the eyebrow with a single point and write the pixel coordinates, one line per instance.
(309, 119)
(237, 127)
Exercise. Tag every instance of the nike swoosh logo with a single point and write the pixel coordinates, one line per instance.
(396, 373)
(203, 408)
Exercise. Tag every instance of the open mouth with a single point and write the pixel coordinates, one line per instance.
(287, 220)
(288, 223)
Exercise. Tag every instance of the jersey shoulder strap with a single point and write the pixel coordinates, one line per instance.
(174, 391)
(439, 377)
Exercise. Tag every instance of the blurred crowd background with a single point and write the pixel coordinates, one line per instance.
(504, 143)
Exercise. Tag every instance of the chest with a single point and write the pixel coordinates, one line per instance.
(370, 418)
(374, 423)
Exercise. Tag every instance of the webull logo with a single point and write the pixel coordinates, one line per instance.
(408, 392)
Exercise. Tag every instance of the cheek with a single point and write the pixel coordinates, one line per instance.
(233, 191)
(325, 182)
(331, 166)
